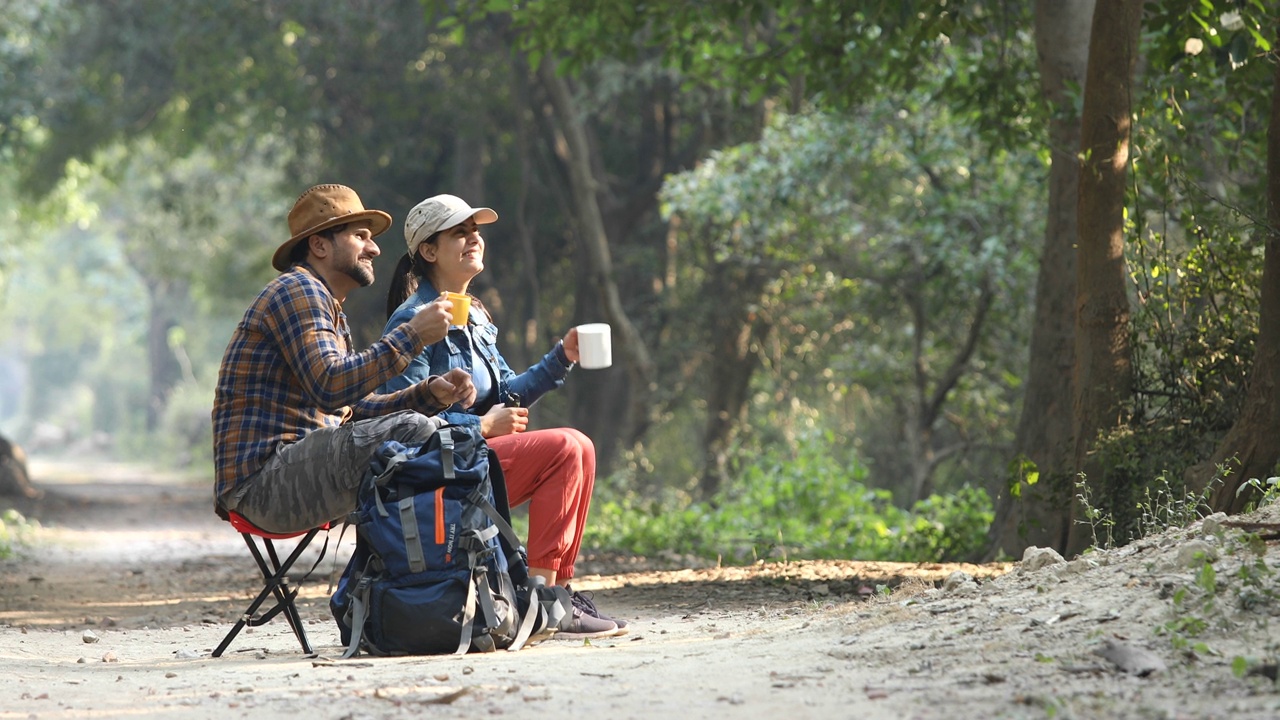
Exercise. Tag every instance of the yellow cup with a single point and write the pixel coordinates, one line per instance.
(461, 307)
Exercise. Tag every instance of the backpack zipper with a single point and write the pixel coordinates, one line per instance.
(440, 516)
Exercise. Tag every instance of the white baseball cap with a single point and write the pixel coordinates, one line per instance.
(440, 213)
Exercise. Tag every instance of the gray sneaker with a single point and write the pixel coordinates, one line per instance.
(585, 626)
(586, 603)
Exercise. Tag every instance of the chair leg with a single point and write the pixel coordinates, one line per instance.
(277, 584)
(285, 597)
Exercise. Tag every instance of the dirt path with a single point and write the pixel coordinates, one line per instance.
(138, 560)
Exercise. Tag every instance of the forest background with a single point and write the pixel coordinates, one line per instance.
(915, 281)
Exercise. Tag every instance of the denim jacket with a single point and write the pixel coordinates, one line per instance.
(454, 351)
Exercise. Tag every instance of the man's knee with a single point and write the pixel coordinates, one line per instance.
(408, 426)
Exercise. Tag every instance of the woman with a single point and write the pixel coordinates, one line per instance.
(552, 469)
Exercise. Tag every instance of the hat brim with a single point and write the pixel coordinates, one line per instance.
(483, 216)
(379, 222)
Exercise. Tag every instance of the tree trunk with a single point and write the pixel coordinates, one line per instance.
(1102, 378)
(1251, 447)
(598, 398)
(167, 298)
(468, 167)
(628, 344)
(14, 479)
(530, 334)
(931, 394)
(734, 334)
(1040, 515)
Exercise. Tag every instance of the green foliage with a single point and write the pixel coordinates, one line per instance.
(185, 435)
(870, 239)
(1101, 523)
(1165, 504)
(1227, 601)
(1193, 608)
(1265, 492)
(790, 504)
(1193, 252)
(861, 241)
(1223, 33)
(1193, 218)
(832, 54)
(949, 527)
(181, 237)
(15, 532)
(1239, 666)
(1139, 502)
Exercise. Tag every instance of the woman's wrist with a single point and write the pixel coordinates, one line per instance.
(562, 356)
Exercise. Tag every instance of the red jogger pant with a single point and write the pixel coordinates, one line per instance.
(555, 471)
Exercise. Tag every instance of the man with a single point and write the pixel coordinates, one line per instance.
(295, 416)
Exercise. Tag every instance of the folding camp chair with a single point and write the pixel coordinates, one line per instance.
(276, 579)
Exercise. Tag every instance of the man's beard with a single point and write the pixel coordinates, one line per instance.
(360, 273)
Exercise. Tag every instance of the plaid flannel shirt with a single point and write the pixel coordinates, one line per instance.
(290, 368)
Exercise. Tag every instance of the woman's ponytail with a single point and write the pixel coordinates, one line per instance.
(404, 283)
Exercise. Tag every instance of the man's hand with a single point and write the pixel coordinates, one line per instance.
(504, 421)
(454, 386)
(431, 322)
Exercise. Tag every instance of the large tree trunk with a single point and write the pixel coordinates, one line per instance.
(14, 479)
(628, 345)
(1040, 515)
(1252, 447)
(1103, 379)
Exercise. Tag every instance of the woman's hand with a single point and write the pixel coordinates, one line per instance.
(501, 421)
(571, 345)
(454, 386)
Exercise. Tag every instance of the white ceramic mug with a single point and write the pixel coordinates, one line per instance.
(594, 348)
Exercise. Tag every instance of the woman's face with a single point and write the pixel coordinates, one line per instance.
(457, 253)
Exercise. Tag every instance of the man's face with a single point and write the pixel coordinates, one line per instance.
(354, 251)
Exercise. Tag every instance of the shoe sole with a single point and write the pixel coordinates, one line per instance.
(540, 636)
(588, 636)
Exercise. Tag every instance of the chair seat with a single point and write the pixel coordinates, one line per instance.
(242, 525)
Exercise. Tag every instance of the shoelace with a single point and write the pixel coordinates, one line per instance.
(584, 603)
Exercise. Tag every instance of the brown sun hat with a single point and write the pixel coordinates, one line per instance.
(321, 208)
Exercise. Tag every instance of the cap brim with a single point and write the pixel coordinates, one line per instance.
(379, 221)
(483, 216)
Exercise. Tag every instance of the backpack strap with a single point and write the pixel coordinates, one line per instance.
(332, 573)
(557, 603)
(412, 538)
(359, 613)
(517, 557)
(502, 525)
(446, 453)
(384, 477)
(484, 593)
(534, 615)
(468, 617)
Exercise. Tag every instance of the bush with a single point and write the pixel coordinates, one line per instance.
(793, 503)
(15, 531)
